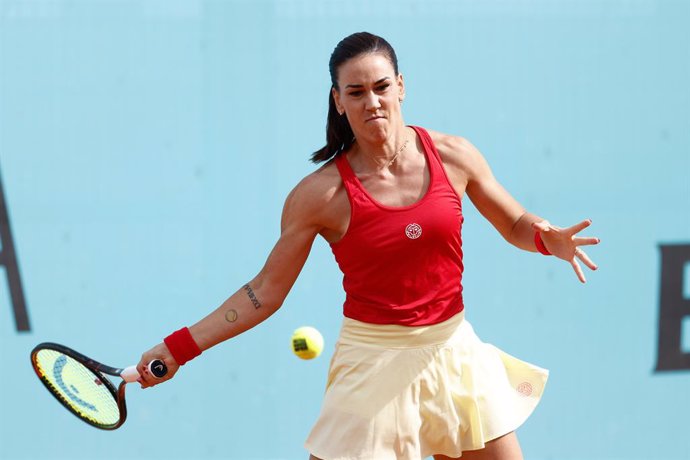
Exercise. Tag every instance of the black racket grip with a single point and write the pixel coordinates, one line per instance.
(157, 368)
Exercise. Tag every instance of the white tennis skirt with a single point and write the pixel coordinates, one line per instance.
(402, 393)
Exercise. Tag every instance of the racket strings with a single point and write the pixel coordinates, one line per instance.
(79, 388)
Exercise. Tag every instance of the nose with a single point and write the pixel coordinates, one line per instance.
(372, 102)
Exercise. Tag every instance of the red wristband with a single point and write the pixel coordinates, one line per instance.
(540, 244)
(182, 346)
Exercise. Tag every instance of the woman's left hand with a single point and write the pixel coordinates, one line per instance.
(564, 244)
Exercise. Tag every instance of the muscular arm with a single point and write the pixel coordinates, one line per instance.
(264, 294)
(494, 202)
(470, 173)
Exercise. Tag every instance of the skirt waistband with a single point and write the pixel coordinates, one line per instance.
(396, 336)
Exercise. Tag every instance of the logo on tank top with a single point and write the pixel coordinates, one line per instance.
(413, 231)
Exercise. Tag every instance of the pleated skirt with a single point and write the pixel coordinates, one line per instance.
(405, 393)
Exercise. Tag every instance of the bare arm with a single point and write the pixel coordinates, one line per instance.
(264, 294)
(494, 202)
(470, 172)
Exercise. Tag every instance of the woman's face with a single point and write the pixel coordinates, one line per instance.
(369, 93)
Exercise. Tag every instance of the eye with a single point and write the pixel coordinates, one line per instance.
(382, 88)
(356, 93)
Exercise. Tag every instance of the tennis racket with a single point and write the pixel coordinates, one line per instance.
(79, 383)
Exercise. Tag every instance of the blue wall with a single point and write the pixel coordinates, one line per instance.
(147, 147)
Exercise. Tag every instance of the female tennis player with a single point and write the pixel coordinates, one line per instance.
(409, 378)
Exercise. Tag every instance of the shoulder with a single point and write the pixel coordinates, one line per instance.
(315, 194)
(318, 187)
(459, 155)
(453, 149)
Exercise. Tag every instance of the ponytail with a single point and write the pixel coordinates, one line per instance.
(339, 135)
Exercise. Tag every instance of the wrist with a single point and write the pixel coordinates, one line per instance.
(182, 346)
(539, 243)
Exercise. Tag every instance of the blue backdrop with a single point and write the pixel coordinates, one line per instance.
(147, 146)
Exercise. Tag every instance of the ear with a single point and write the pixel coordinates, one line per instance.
(336, 99)
(401, 87)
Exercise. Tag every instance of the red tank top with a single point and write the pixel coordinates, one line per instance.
(402, 265)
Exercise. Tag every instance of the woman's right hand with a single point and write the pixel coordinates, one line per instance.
(161, 352)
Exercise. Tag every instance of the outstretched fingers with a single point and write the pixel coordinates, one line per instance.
(578, 270)
(582, 255)
(577, 228)
(565, 244)
(585, 240)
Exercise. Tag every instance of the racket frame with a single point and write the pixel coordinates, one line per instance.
(98, 369)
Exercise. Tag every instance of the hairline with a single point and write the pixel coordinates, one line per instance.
(379, 50)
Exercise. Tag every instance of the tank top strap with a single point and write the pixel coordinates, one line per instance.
(433, 158)
(346, 173)
(436, 168)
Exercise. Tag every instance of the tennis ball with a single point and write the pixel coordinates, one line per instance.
(307, 342)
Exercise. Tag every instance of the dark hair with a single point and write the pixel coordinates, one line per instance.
(339, 135)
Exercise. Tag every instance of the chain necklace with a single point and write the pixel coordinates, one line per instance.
(395, 157)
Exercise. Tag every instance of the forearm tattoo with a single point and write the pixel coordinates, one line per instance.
(252, 297)
(231, 316)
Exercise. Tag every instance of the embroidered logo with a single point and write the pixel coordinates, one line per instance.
(525, 388)
(413, 231)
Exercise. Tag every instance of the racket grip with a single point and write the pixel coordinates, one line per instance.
(130, 374)
(157, 368)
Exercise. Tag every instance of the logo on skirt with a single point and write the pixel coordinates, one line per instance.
(413, 231)
(525, 388)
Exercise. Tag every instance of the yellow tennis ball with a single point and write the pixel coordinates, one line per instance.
(307, 342)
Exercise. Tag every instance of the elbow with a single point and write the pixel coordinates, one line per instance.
(266, 296)
(271, 302)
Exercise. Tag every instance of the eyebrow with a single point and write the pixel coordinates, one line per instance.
(378, 82)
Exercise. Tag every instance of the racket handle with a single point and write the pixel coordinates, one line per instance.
(130, 374)
(157, 368)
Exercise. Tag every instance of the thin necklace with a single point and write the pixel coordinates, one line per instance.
(395, 157)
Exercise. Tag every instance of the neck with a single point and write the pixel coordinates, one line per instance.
(387, 153)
